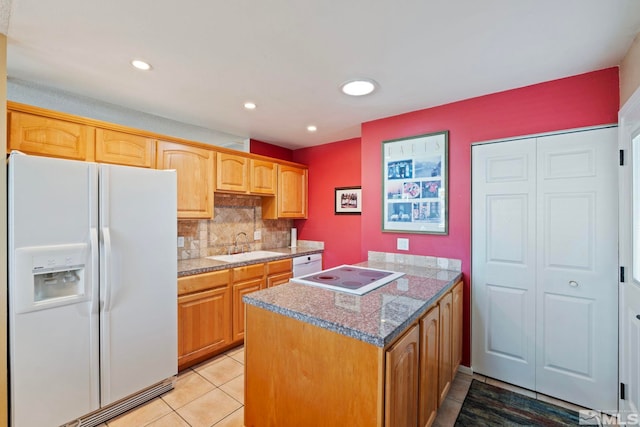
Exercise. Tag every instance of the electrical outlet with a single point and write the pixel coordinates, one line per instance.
(403, 244)
(181, 241)
(257, 235)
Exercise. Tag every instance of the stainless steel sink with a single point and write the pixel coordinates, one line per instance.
(245, 256)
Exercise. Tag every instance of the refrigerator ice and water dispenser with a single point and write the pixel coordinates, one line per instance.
(50, 276)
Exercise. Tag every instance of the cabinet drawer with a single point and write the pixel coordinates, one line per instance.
(203, 281)
(248, 272)
(280, 266)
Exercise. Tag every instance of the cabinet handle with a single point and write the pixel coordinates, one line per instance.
(573, 283)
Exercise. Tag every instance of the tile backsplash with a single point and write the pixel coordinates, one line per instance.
(417, 260)
(232, 214)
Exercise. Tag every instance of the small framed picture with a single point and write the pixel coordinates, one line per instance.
(348, 200)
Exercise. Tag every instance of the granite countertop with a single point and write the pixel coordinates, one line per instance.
(190, 267)
(377, 317)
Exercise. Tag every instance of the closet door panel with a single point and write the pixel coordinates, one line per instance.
(577, 268)
(503, 253)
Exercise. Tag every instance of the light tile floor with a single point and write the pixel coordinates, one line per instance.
(211, 394)
(206, 395)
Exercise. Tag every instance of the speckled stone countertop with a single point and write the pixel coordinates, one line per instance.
(377, 317)
(190, 267)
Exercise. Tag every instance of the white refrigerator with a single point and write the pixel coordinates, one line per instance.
(92, 289)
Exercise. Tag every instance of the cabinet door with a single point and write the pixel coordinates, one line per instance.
(401, 381)
(232, 173)
(49, 137)
(278, 279)
(456, 328)
(194, 167)
(292, 192)
(239, 290)
(203, 323)
(429, 360)
(246, 279)
(444, 376)
(125, 149)
(263, 177)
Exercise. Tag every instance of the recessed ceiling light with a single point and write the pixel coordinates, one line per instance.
(250, 105)
(358, 87)
(312, 128)
(141, 65)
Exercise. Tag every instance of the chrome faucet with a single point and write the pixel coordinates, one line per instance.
(235, 243)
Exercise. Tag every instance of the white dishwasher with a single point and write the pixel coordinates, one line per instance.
(307, 264)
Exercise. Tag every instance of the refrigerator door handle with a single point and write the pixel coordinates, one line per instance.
(106, 278)
(95, 298)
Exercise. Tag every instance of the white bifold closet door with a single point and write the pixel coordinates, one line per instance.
(544, 265)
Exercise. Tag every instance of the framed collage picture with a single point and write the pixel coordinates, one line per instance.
(415, 172)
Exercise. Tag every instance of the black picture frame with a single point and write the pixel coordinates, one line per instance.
(348, 201)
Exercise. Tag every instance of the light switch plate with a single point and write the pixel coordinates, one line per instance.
(403, 244)
(181, 241)
(257, 235)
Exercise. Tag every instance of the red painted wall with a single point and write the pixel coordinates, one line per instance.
(270, 150)
(579, 101)
(330, 166)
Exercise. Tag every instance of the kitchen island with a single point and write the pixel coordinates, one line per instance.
(316, 356)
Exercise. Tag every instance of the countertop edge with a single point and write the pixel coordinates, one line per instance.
(212, 265)
(359, 335)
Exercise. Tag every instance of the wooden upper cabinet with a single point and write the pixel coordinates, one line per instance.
(195, 169)
(45, 136)
(125, 149)
(232, 173)
(263, 177)
(292, 192)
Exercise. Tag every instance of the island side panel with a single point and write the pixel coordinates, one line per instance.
(298, 374)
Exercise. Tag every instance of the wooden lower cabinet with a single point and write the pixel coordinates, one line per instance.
(456, 328)
(278, 279)
(204, 319)
(401, 380)
(444, 372)
(210, 308)
(279, 272)
(246, 279)
(429, 366)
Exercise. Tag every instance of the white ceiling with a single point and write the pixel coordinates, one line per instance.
(289, 56)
